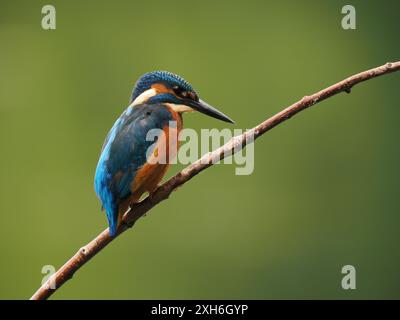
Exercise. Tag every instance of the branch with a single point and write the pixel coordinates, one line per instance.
(234, 145)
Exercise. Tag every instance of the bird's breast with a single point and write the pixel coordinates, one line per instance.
(164, 151)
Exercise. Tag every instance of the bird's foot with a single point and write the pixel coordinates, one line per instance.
(129, 224)
(151, 194)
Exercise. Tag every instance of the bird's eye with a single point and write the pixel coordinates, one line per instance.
(178, 91)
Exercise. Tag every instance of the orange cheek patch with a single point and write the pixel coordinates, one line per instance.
(161, 88)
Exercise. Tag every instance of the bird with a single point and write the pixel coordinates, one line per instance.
(124, 172)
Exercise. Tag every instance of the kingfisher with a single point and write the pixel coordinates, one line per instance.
(126, 169)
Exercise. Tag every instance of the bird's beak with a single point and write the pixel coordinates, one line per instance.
(205, 108)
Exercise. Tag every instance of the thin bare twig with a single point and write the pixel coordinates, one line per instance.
(234, 145)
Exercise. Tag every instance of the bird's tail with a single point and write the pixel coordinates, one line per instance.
(111, 208)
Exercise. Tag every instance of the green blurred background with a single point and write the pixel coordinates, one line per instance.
(325, 190)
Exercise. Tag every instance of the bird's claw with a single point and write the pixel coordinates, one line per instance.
(129, 224)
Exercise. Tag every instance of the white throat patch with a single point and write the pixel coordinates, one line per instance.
(179, 107)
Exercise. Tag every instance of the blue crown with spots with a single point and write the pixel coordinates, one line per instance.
(147, 80)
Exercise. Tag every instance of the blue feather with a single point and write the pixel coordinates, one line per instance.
(123, 153)
(147, 80)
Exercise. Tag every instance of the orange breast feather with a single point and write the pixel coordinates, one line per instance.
(151, 173)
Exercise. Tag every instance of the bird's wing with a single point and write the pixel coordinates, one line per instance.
(128, 149)
(124, 152)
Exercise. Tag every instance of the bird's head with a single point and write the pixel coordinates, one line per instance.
(166, 87)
